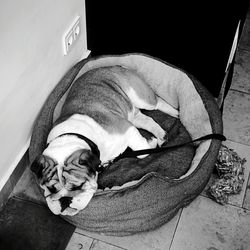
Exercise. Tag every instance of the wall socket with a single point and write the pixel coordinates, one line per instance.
(71, 35)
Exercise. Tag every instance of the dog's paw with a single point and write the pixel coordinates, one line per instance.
(161, 137)
(153, 142)
(160, 141)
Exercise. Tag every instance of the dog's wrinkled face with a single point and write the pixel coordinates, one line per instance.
(68, 187)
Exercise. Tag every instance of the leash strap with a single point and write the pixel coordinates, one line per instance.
(129, 154)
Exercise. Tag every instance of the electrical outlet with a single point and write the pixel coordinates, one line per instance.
(71, 35)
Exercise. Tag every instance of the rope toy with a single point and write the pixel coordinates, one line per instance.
(230, 175)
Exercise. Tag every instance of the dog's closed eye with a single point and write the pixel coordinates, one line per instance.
(44, 168)
(76, 187)
(52, 189)
(82, 162)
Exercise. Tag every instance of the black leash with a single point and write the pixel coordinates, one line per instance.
(131, 154)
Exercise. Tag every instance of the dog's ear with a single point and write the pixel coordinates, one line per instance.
(42, 166)
(90, 160)
(85, 158)
(37, 167)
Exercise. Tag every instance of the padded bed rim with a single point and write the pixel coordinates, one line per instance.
(94, 218)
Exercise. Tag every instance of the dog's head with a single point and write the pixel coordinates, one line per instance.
(69, 180)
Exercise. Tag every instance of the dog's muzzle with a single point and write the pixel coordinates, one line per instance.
(66, 202)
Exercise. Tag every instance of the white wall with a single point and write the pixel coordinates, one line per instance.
(31, 64)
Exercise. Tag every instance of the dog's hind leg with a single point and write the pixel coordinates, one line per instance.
(163, 106)
(151, 102)
(145, 122)
(137, 142)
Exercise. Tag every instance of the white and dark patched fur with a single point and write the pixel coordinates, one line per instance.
(103, 105)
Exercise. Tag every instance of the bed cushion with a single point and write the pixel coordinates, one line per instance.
(136, 195)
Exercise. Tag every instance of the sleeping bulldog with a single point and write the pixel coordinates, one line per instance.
(98, 121)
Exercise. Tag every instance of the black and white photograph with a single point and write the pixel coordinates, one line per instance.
(124, 125)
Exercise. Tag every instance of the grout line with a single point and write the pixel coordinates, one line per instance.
(79, 245)
(88, 236)
(99, 240)
(176, 229)
(245, 49)
(230, 204)
(243, 144)
(240, 91)
(234, 206)
(110, 244)
(92, 244)
(105, 243)
(237, 142)
(90, 247)
(248, 179)
(227, 204)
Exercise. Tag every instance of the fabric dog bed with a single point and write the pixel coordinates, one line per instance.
(137, 195)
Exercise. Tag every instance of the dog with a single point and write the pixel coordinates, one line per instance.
(99, 120)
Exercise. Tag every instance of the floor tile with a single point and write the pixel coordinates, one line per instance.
(79, 241)
(241, 76)
(99, 245)
(236, 117)
(244, 42)
(205, 224)
(243, 152)
(157, 239)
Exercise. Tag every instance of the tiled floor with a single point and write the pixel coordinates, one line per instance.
(204, 224)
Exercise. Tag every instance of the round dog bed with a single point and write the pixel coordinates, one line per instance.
(134, 194)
